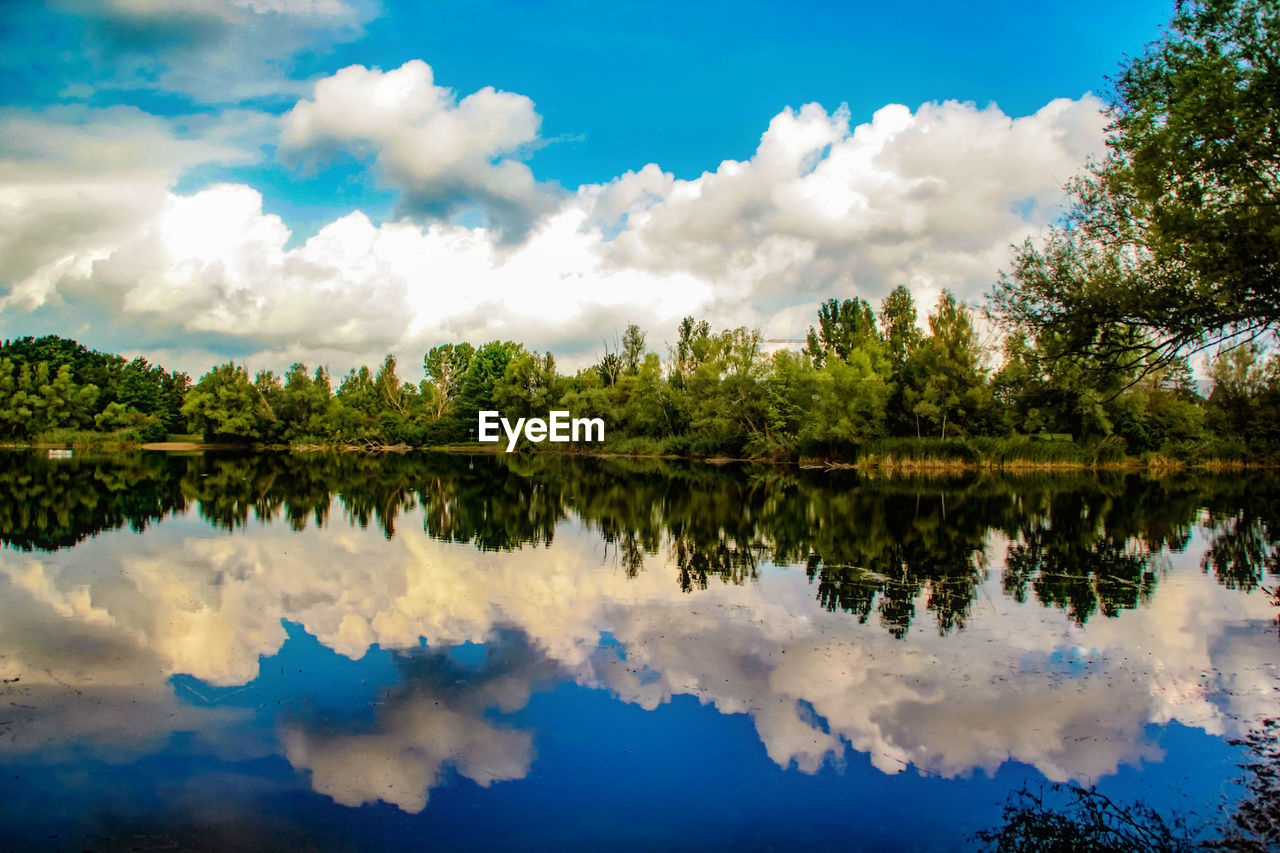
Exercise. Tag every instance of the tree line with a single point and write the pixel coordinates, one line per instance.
(51, 384)
(862, 377)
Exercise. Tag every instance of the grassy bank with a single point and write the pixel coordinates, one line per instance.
(78, 439)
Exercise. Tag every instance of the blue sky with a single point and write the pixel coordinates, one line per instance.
(166, 101)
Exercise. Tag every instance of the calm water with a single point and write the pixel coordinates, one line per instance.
(453, 652)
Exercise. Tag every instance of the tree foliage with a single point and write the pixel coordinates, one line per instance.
(1173, 239)
(225, 406)
(843, 328)
(52, 383)
(861, 380)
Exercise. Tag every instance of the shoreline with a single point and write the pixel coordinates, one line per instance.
(904, 464)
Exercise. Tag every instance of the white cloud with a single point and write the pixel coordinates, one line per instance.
(214, 263)
(433, 720)
(226, 9)
(77, 183)
(318, 8)
(442, 153)
(931, 198)
(401, 765)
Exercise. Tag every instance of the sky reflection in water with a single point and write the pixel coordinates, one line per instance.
(549, 652)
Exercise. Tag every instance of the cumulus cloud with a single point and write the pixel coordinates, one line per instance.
(74, 673)
(435, 720)
(401, 765)
(77, 183)
(443, 154)
(214, 263)
(931, 198)
(227, 9)
(181, 271)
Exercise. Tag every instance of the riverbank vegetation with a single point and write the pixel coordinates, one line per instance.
(867, 388)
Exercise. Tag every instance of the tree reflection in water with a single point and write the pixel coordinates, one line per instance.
(1087, 544)
(1065, 817)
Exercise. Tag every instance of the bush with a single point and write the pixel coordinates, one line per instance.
(1047, 449)
(922, 450)
(1208, 450)
(637, 445)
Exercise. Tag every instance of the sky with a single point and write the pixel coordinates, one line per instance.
(329, 181)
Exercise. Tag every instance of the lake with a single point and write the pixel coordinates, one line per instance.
(267, 651)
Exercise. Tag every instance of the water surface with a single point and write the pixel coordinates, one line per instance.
(469, 652)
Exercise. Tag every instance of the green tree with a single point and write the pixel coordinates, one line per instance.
(445, 365)
(632, 349)
(357, 392)
(610, 367)
(1048, 388)
(389, 391)
(692, 346)
(485, 370)
(303, 399)
(843, 327)
(901, 337)
(848, 403)
(1245, 400)
(646, 400)
(791, 389)
(1174, 233)
(898, 322)
(725, 396)
(269, 392)
(948, 384)
(225, 406)
(529, 387)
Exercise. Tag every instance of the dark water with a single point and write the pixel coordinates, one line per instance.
(302, 651)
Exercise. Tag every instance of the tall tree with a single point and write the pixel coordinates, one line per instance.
(692, 345)
(1174, 232)
(1245, 401)
(950, 382)
(224, 404)
(486, 368)
(898, 324)
(302, 398)
(632, 349)
(843, 327)
(388, 388)
(445, 366)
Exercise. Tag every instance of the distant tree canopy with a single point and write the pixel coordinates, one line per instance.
(50, 383)
(862, 378)
(1172, 242)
